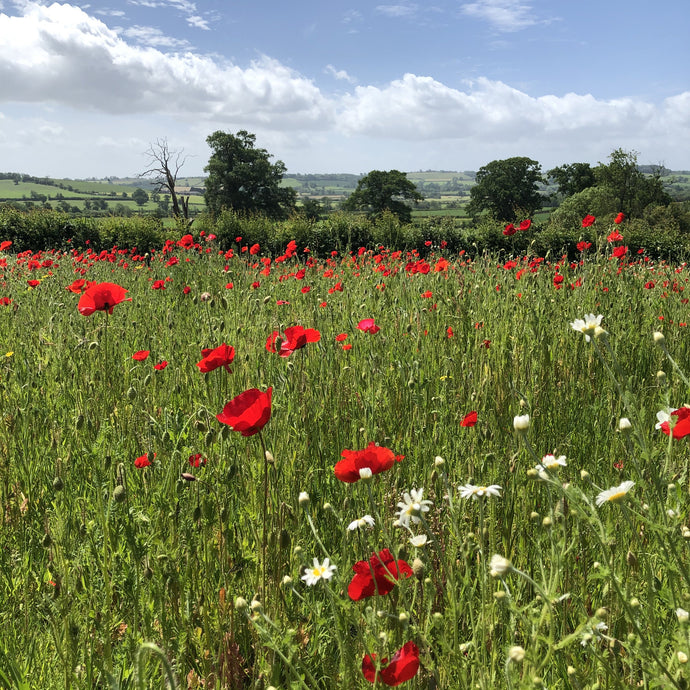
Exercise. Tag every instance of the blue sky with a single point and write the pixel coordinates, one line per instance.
(342, 86)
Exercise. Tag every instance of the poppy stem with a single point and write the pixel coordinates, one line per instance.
(263, 517)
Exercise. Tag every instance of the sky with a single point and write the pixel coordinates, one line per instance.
(349, 86)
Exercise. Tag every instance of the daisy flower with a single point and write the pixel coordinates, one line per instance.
(411, 507)
(361, 523)
(615, 494)
(550, 463)
(587, 325)
(472, 491)
(318, 571)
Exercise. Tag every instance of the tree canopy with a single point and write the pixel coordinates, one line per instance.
(507, 188)
(241, 177)
(573, 178)
(382, 190)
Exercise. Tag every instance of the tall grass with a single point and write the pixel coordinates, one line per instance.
(109, 569)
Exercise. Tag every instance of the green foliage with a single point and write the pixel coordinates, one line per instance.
(380, 191)
(140, 196)
(572, 178)
(507, 189)
(632, 190)
(242, 178)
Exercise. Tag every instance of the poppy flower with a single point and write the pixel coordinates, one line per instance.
(158, 285)
(33, 283)
(248, 412)
(197, 459)
(368, 326)
(160, 366)
(340, 337)
(427, 294)
(681, 428)
(588, 221)
(376, 458)
(141, 355)
(294, 338)
(470, 419)
(143, 461)
(5, 301)
(186, 290)
(5, 244)
(619, 252)
(254, 249)
(220, 356)
(378, 574)
(581, 246)
(101, 297)
(525, 224)
(619, 218)
(615, 236)
(79, 286)
(403, 666)
(509, 230)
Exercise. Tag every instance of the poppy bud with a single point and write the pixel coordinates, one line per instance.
(58, 484)
(224, 302)
(418, 568)
(119, 494)
(150, 456)
(47, 541)
(267, 299)
(131, 393)
(225, 432)
(80, 421)
(209, 438)
(199, 425)
(147, 380)
(93, 345)
(165, 438)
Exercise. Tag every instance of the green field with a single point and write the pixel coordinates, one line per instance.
(537, 520)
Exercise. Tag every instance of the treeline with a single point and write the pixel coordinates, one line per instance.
(662, 232)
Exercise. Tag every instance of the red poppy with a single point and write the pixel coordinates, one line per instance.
(160, 366)
(581, 246)
(615, 236)
(347, 346)
(143, 461)
(186, 290)
(158, 285)
(5, 301)
(509, 230)
(427, 294)
(255, 284)
(449, 332)
(403, 666)
(33, 283)
(340, 337)
(294, 338)
(470, 419)
(186, 241)
(254, 249)
(79, 286)
(247, 413)
(681, 428)
(619, 252)
(5, 245)
(197, 459)
(101, 297)
(619, 218)
(220, 356)
(368, 326)
(525, 224)
(377, 575)
(588, 220)
(377, 458)
(141, 355)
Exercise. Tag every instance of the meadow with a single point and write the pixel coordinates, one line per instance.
(223, 469)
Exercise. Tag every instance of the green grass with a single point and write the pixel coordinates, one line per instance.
(100, 557)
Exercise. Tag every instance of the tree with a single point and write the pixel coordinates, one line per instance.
(164, 167)
(572, 178)
(140, 196)
(381, 191)
(241, 177)
(507, 188)
(632, 190)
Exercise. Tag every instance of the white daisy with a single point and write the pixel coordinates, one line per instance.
(615, 494)
(587, 326)
(472, 491)
(361, 523)
(319, 571)
(411, 507)
(550, 463)
(419, 541)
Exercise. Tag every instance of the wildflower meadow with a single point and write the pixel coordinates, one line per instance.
(370, 468)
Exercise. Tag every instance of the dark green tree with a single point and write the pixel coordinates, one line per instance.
(140, 196)
(632, 189)
(572, 178)
(242, 178)
(381, 191)
(507, 188)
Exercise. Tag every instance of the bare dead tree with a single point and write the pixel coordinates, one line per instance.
(164, 164)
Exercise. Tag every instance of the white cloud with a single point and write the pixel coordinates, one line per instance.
(60, 54)
(198, 22)
(339, 74)
(151, 36)
(503, 15)
(406, 10)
